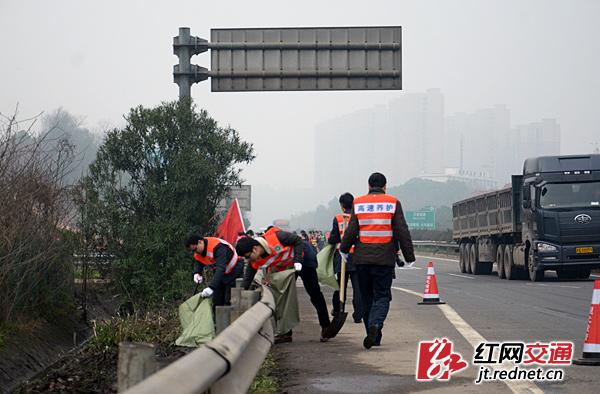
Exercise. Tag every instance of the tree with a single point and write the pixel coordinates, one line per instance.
(35, 204)
(416, 193)
(319, 219)
(152, 183)
(61, 124)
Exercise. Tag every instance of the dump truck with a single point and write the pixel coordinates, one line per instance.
(548, 219)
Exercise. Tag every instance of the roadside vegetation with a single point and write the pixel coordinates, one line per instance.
(93, 367)
(76, 210)
(266, 380)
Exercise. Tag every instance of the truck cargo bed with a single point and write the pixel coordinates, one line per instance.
(488, 214)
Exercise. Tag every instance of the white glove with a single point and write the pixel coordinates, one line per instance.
(298, 266)
(197, 278)
(345, 256)
(409, 265)
(207, 292)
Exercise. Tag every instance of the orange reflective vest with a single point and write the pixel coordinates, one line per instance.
(374, 213)
(340, 220)
(281, 256)
(209, 259)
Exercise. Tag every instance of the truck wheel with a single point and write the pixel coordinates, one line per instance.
(461, 258)
(468, 258)
(584, 273)
(500, 261)
(510, 271)
(474, 260)
(534, 275)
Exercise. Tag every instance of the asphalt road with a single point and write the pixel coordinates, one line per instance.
(478, 309)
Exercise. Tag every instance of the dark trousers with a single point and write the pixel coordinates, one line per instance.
(222, 294)
(356, 302)
(311, 284)
(375, 282)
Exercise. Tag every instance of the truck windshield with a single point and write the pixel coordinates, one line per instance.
(569, 195)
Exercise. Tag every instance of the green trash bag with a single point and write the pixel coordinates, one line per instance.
(196, 318)
(283, 286)
(325, 270)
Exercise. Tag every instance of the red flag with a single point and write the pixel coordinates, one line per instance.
(232, 224)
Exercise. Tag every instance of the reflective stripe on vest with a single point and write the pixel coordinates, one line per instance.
(209, 259)
(340, 220)
(374, 213)
(281, 256)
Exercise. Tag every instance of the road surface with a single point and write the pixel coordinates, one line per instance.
(478, 309)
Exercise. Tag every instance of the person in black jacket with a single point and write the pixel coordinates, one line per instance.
(335, 238)
(220, 256)
(376, 218)
(258, 251)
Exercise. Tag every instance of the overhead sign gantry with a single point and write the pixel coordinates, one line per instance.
(288, 59)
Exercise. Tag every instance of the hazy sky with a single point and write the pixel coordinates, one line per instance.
(98, 59)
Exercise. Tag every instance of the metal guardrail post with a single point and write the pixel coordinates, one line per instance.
(137, 361)
(222, 318)
(226, 365)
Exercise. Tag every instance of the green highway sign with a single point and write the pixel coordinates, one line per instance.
(420, 220)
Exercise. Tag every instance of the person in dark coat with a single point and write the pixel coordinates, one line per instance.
(279, 250)
(220, 256)
(335, 237)
(376, 217)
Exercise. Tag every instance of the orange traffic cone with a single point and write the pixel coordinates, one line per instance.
(431, 296)
(591, 347)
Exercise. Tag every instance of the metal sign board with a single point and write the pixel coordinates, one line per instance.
(339, 58)
(244, 196)
(420, 220)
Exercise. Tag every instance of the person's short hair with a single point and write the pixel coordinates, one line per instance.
(346, 200)
(250, 233)
(377, 179)
(191, 239)
(245, 245)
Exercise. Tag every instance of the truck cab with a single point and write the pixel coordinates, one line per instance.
(561, 215)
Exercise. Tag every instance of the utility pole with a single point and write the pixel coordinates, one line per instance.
(185, 74)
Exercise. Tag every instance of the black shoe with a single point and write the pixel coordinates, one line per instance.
(372, 337)
(283, 339)
(378, 340)
(324, 339)
(357, 320)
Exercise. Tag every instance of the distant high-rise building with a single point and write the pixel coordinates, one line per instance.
(417, 126)
(482, 143)
(401, 140)
(348, 149)
(412, 137)
(476, 141)
(534, 139)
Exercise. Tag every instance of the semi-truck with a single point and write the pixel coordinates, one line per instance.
(548, 219)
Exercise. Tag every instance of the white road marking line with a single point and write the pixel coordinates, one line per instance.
(546, 285)
(474, 339)
(408, 291)
(437, 258)
(463, 276)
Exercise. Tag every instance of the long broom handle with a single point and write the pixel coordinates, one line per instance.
(343, 273)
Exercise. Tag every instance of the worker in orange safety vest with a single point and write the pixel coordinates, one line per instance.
(376, 218)
(279, 250)
(220, 256)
